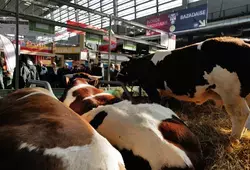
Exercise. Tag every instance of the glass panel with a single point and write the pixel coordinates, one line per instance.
(111, 11)
(146, 5)
(64, 15)
(107, 7)
(170, 5)
(95, 6)
(146, 12)
(95, 22)
(129, 17)
(122, 1)
(64, 7)
(64, 19)
(125, 6)
(92, 2)
(104, 2)
(163, 1)
(140, 1)
(57, 19)
(105, 24)
(56, 15)
(126, 12)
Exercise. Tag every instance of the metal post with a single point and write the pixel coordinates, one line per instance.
(17, 40)
(109, 54)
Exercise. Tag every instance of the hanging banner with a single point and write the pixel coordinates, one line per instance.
(82, 25)
(41, 28)
(181, 20)
(67, 50)
(8, 26)
(105, 44)
(93, 39)
(128, 45)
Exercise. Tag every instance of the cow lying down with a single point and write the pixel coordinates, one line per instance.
(80, 96)
(216, 69)
(149, 136)
(38, 132)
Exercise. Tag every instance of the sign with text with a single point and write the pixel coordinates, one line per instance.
(82, 25)
(129, 45)
(189, 18)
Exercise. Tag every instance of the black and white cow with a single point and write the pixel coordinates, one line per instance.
(217, 68)
(149, 136)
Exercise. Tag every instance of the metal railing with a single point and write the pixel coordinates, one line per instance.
(229, 13)
(58, 91)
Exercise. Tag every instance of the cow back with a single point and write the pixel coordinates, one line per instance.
(38, 132)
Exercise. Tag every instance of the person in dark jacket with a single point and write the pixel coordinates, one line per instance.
(42, 70)
(33, 71)
(25, 75)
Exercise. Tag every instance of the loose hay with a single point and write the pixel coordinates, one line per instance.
(213, 127)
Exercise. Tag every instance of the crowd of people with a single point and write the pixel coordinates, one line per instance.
(53, 74)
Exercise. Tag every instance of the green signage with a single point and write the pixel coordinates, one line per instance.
(40, 27)
(128, 45)
(93, 39)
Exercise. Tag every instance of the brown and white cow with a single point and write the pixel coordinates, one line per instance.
(90, 79)
(82, 97)
(38, 132)
(217, 68)
(149, 136)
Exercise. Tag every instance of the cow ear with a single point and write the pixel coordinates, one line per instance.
(95, 77)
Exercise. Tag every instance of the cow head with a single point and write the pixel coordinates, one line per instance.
(129, 71)
(136, 69)
(90, 79)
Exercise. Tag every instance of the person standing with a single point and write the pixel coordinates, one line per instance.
(1, 72)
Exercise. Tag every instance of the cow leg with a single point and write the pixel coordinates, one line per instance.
(153, 94)
(239, 112)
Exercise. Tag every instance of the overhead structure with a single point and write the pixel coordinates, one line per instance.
(52, 5)
(76, 6)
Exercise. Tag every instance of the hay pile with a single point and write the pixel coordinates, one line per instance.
(213, 127)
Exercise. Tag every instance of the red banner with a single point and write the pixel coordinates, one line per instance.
(82, 25)
(161, 22)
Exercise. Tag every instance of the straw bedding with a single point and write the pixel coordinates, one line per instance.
(213, 127)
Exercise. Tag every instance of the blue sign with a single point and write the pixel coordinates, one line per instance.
(188, 18)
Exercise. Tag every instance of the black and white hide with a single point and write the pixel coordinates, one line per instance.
(149, 136)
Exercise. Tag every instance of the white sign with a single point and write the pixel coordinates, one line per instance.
(42, 26)
(84, 55)
(164, 39)
(172, 42)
